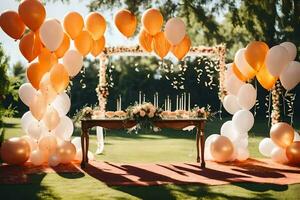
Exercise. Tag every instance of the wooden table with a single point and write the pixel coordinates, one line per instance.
(177, 124)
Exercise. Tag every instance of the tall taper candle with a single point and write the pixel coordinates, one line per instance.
(189, 102)
(184, 107)
(176, 102)
(154, 100)
(120, 102)
(144, 98)
(140, 97)
(165, 104)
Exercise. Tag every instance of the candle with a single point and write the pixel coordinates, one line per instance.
(120, 104)
(179, 103)
(184, 107)
(189, 102)
(176, 102)
(156, 99)
(140, 97)
(182, 99)
(117, 104)
(144, 98)
(170, 104)
(165, 104)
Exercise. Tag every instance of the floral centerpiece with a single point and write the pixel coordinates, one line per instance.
(144, 115)
(203, 112)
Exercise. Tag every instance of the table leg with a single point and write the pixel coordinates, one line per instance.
(202, 136)
(84, 146)
(198, 143)
(87, 147)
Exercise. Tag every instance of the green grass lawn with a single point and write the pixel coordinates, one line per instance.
(162, 147)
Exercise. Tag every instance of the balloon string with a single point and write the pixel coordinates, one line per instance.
(284, 101)
(220, 110)
(255, 106)
(269, 108)
(293, 108)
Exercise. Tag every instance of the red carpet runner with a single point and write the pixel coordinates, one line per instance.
(259, 171)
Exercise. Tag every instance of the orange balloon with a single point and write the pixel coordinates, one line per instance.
(30, 46)
(161, 45)
(293, 153)
(38, 106)
(35, 73)
(83, 42)
(15, 151)
(255, 54)
(47, 59)
(152, 21)
(181, 49)
(96, 25)
(126, 22)
(66, 152)
(145, 40)
(282, 134)
(32, 13)
(237, 72)
(12, 24)
(59, 78)
(221, 149)
(73, 24)
(98, 46)
(266, 79)
(60, 52)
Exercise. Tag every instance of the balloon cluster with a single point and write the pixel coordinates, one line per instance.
(283, 146)
(173, 39)
(46, 46)
(268, 64)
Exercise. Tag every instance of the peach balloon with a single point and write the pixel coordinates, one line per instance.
(83, 42)
(175, 30)
(52, 34)
(32, 142)
(38, 106)
(30, 46)
(15, 151)
(12, 24)
(98, 46)
(221, 149)
(126, 22)
(48, 144)
(96, 25)
(35, 73)
(65, 45)
(47, 59)
(243, 65)
(265, 78)
(38, 157)
(73, 62)
(59, 78)
(255, 54)
(282, 134)
(160, 45)
(66, 152)
(73, 24)
(293, 153)
(47, 89)
(152, 21)
(237, 72)
(51, 118)
(145, 40)
(32, 13)
(182, 48)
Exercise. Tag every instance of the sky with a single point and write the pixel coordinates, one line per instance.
(58, 10)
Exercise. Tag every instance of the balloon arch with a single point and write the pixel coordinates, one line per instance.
(46, 45)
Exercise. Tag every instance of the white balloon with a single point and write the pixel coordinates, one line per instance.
(37, 157)
(243, 121)
(241, 62)
(62, 104)
(77, 142)
(247, 96)
(241, 143)
(290, 76)
(277, 59)
(73, 62)
(79, 155)
(228, 71)
(291, 48)
(230, 104)
(209, 139)
(53, 160)
(51, 34)
(175, 30)
(26, 119)
(227, 129)
(207, 154)
(296, 136)
(26, 93)
(65, 128)
(36, 129)
(279, 155)
(266, 147)
(242, 154)
(233, 84)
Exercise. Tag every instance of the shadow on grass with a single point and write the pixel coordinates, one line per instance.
(32, 191)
